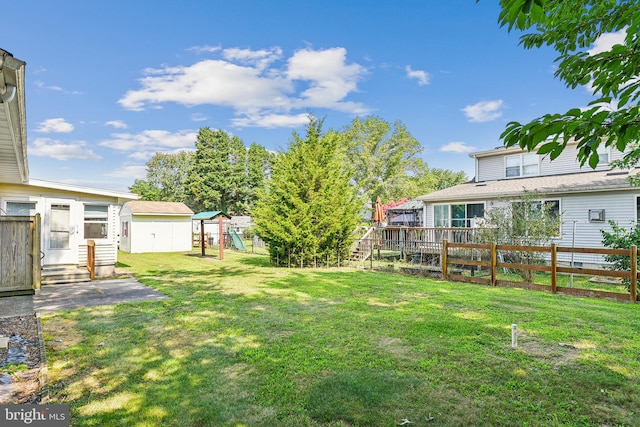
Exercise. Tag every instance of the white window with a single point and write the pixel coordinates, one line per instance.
(458, 215)
(21, 208)
(441, 215)
(521, 215)
(96, 221)
(526, 164)
(603, 155)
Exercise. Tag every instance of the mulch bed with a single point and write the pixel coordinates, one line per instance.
(22, 364)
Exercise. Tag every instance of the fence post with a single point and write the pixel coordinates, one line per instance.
(443, 259)
(35, 247)
(91, 258)
(554, 268)
(633, 284)
(494, 263)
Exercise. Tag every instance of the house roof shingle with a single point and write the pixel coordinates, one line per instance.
(551, 184)
(407, 206)
(156, 208)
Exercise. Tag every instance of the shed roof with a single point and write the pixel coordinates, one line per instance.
(159, 208)
(210, 215)
(584, 182)
(409, 205)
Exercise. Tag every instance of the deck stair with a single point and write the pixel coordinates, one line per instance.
(363, 248)
(64, 274)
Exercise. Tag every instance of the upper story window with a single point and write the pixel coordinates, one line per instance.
(603, 155)
(96, 220)
(21, 208)
(525, 164)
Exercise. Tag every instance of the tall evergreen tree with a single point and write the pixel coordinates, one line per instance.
(308, 210)
(238, 186)
(217, 170)
(259, 161)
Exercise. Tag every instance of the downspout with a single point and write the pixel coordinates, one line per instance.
(7, 92)
(14, 104)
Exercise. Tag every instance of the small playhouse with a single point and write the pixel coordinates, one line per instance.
(155, 227)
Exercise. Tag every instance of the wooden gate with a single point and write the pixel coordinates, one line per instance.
(19, 255)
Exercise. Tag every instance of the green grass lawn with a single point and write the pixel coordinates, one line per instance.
(240, 343)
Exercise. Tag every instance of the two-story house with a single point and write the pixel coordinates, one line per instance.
(585, 199)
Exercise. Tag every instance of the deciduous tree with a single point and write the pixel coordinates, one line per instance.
(572, 27)
(382, 156)
(166, 178)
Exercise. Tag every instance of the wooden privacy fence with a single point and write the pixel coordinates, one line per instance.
(19, 254)
(451, 256)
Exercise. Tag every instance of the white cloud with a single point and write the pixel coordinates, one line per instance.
(272, 121)
(261, 59)
(255, 84)
(42, 85)
(58, 125)
(118, 124)
(484, 111)
(421, 76)
(45, 147)
(131, 171)
(606, 41)
(205, 48)
(151, 140)
(457, 147)
(199, 117)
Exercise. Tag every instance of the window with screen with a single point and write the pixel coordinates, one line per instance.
(21, 208)
(96, 221)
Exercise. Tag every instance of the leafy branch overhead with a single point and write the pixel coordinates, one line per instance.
(572, 27)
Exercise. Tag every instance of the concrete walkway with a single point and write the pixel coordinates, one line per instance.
(78, 295)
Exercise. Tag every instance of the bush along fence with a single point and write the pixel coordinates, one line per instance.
(544, 268)
(421, 252)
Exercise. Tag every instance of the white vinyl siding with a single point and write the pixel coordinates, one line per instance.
(618, 206)
(494, 167)
(106, 249)
(490, 168)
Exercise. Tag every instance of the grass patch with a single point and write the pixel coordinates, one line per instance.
(242, 343)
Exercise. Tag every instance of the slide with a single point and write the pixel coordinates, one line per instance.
(236, 241)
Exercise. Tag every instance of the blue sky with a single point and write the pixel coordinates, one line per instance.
(109, 83)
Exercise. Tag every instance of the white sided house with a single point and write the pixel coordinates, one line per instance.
(585, 199)
(69, 215)
(155, 227)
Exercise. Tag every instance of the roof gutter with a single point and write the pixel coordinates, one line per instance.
(13, 101)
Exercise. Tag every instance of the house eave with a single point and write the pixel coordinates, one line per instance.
(120, 195)
(563, 184)
(13, 147)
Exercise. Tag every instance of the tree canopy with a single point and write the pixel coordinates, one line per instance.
(572, 27)
(382, 157)
(166, 177)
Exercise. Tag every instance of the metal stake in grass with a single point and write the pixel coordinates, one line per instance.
(514, 336)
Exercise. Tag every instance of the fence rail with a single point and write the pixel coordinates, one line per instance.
(453, 256)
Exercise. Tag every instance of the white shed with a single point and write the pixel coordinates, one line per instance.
(155, 227)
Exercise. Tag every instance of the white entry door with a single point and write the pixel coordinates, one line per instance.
(60, 233)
